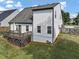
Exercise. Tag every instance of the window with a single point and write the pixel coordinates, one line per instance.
(49, 29)
(27, 28)
(55, 14)
(39, 29)
(17, 27)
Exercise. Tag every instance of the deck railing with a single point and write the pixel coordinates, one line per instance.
(18, 39)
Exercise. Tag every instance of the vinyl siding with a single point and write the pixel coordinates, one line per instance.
(42, 18)
(57, 21)
(23, 27)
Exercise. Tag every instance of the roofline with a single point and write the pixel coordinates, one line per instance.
(10, 10)
(39, 6)
(18, 23)
(44, 8)
(47, 4)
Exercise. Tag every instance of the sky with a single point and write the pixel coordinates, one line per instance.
(71, 6)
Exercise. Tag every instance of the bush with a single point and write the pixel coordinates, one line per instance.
(48, 42)
(28, 38)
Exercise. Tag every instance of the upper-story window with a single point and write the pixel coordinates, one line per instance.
(39, 29)
(55, 14)
(49, 29)
(27, 28)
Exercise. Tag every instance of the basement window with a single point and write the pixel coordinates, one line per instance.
(49, 29)
(39, 29)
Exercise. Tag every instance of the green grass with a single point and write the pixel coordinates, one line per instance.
(65, 47)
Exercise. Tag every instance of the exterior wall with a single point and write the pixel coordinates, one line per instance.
(23, 27)
(57, 20)
(10, 17)
(42, 18)
(12, 27)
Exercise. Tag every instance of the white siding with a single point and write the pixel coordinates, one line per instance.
(13, 27)
(23, 27)
(10, 17)
(30, 27)
(57, 20)
(42, 18)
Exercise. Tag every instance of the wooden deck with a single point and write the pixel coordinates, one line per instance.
(18, 39)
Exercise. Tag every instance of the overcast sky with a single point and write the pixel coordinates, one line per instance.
(71, 6)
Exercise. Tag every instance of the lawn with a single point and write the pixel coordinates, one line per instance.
(65, 47)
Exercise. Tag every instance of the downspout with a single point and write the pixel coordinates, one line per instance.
(53, 25)
(32, 27)
(13, 27)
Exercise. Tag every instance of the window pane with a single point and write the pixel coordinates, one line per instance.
(27, 28)
(39, 29)
(49, 29)
(17, 27)
(55, 14)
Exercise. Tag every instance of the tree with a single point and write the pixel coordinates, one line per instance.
(65, 17)
(77, 20)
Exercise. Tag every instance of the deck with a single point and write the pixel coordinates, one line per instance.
(20, 40)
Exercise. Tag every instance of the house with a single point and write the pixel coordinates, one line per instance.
(22, 23)
(6, 16)
(0, 12)
(47, 21)
(44, 21)
(72, 21)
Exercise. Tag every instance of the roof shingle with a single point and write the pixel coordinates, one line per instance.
(5, 14)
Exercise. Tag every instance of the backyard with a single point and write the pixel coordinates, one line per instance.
(65, 47)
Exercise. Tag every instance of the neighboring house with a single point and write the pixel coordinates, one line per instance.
(6, 16)
(1, 12)
(22, 23)
(72, 20)
(47, 21)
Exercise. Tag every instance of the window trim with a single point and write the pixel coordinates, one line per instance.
(17, 27)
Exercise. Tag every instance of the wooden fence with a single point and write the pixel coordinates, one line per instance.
(4, 29)
(71, 29)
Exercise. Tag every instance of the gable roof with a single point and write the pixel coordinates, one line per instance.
(25, 16)
(5, 14)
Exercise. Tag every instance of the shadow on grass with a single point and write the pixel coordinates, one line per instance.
(62, 49)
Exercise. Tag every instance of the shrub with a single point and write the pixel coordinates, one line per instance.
(29, 38)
